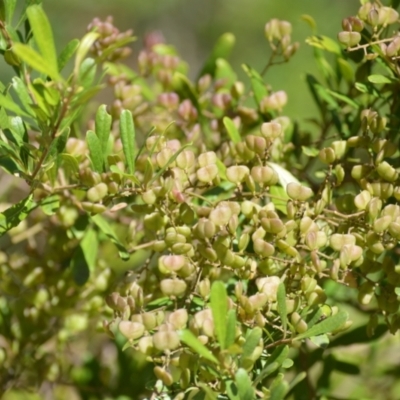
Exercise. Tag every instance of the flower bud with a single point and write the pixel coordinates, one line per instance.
(327, 155)
(131, 330)
(207, 174)
(237, 174)
(166, 340)
(256, 143)
(298, 323)
(298, 192)
(271, 130)
(97, 193)
(262, 248)
(173, 287)
(349, 39)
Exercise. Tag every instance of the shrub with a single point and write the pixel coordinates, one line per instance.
(247, 240)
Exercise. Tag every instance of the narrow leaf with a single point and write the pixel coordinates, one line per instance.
(189, 339)
(310, 151)
(7, 8)
(103, 128)
(297, 379)
(327, 325)
(285, 177)
(35, 60)
(23, 94)
(252, 341)
(90, 246)
(257, 83)
(11, 217)
(80, 267)
(43, 35)
(379, 79)
(222, 49)
(127, 132)
(232, 130)
(324, 43)
(84, 46)
(67, 53)
(210, 394)
(9, 104)
(95, 151)
(105, 227)
(244, 385)
(281, 299)
(230, 328)
(219, 308)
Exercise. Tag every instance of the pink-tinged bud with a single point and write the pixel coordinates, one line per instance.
(276, 101)
(349, 39)
(186, 111)
(168, 100)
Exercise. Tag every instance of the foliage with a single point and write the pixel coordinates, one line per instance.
(247, 240)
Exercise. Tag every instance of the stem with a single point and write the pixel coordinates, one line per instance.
(141, 246)
(53, 136)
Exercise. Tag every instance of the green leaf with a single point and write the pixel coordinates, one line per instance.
(358, 335)
(244, 385)
(379, 79)
(224, 73)
(90, 246)
(83, 48)
(10, 105)
(310, 151)
(257, 83)
(324, 43)
(43, 35)
(230, 328)
(278, 388)
(343, 98)
(282, 310)
(105, 227)
(210, 394)
(79, 267)
(67, 53)
(103, 128)
(50, 205)
(232, 130)
(328, 325)
(273, 363)
(96, 155)
(11, 217)
(219, 308)
(346, 70)
(7, 8)
(221, 169)
(22, 91)
(232, 390)
(279, 193)
(190, 340)
(70, 163)
(127, 132)
(285, 177)
(87, 72)
(297, 379)
(185, 89)
(35, 60)
(320, 341)
(252, 340)
(222, 49)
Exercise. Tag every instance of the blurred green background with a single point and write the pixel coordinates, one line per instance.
(193, 26)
